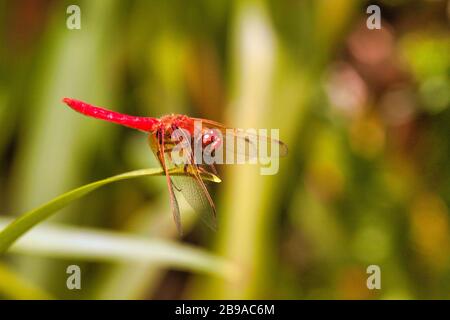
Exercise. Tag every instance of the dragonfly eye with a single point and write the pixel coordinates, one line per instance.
(210, 137)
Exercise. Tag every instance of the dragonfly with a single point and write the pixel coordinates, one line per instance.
(212, 137)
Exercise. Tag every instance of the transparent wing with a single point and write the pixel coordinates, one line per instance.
(197, 198)
(190, 185)
(247, 142)
(159, 151)
(194, 189)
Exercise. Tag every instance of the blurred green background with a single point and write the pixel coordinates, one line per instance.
(365, 114)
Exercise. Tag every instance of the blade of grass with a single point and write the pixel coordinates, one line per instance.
(31, 218)
(13, 286)
(50, 240)
(132, 280)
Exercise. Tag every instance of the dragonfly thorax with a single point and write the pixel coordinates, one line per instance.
(171, 122)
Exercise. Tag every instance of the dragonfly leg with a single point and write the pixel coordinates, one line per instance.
(173, 199)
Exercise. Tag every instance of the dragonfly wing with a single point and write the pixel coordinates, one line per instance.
(247, 142)
(198, 198)
(175, 207)
(191, 186)
(194, 190)
(159, 151)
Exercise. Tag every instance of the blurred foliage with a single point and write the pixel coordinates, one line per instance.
(365, 114)
(30, 219)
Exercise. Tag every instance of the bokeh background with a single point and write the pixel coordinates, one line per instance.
(365, 114)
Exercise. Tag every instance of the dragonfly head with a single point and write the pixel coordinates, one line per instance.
(211, 138)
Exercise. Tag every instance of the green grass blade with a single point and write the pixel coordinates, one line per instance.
(89, 244)
(31, 218)
(13, 286)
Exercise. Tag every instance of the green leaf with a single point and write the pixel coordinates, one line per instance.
(31, 218)
(13, 286)
(107, 246)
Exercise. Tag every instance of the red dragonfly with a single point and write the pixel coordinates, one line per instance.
(212, 137)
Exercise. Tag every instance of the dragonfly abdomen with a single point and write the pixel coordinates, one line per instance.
(146, 124)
